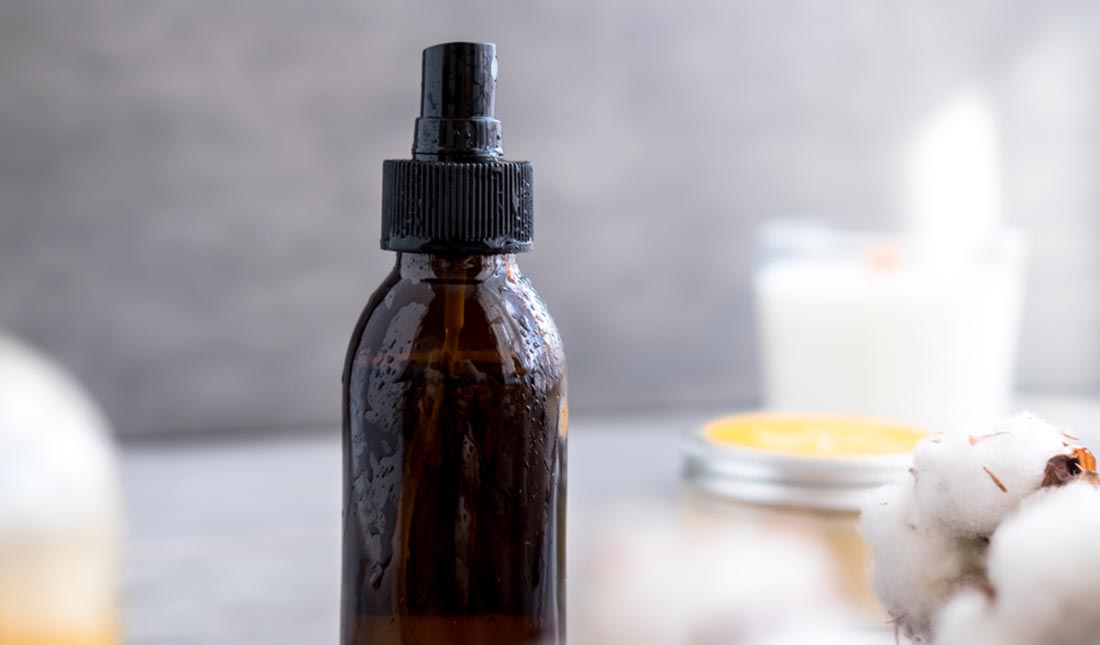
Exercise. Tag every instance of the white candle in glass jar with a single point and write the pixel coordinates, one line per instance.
(886, 327)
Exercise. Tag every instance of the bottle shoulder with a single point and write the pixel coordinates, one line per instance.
(500, 320)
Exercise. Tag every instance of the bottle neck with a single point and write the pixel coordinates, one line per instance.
(427, 267)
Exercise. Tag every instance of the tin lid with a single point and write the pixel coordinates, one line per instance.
(826, 479)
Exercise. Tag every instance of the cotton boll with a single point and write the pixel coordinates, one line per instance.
(969, 620)
(697, 579)
(916, 566)
(1041, 567)
(929, 536)
(969, 483)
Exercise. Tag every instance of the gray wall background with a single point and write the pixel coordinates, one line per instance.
(189, 188)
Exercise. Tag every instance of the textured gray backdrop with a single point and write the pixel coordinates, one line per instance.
(189, 188)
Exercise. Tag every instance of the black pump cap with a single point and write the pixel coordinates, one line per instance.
(457, 97)
(457, 195)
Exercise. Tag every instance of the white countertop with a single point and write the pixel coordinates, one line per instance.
(237, 540)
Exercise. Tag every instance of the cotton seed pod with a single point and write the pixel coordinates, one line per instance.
(968, 483)
(1040, 587)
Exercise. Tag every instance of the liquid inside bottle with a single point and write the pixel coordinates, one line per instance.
(454, 526)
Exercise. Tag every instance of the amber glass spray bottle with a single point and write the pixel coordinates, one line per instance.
(454, 395)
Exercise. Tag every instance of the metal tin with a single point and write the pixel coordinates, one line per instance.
(762, 477)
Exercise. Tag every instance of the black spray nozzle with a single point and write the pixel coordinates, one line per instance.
(457, 95)
(457, 195)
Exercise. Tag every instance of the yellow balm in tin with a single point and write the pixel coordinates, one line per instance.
(813, 435)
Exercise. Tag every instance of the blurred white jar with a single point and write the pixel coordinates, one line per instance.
(59, 508)
(889, 325)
